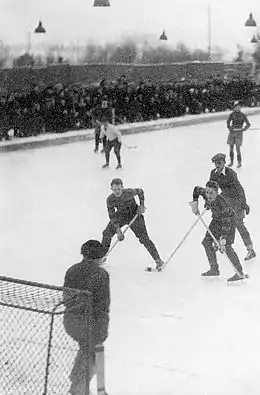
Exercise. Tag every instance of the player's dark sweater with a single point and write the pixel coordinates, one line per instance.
(124, 206)
(236, 120)
(229, 185)
(220, 209)
(90, 277)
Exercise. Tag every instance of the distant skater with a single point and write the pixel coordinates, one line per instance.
(235, 124)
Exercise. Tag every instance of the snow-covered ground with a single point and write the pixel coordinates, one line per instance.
(170, 332)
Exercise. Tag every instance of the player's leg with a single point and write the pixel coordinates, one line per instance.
(97, 136)
(107, 236)
(109, 232)
(210, 248)
(231, 253)
(140, 231)
(231, 155)
(108, 147)
(117, 149)
(104, 141)
(239, 139)
(245, 235)
(231, 143)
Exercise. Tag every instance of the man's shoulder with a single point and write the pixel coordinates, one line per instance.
(110, 198)
(213, 174)
(230, 172)
(244, 114)
(99, 274)
(129, 191)
(77, 266)
(111, 126)
(73, 272)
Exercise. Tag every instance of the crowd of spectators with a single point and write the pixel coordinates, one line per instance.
(56, 109)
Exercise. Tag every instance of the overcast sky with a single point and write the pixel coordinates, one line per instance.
(71, 21)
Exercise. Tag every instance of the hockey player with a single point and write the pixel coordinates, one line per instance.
(235, 125)
(113, 139)
(234, 194)
(87, 275)
(122, 207)
(223, 227)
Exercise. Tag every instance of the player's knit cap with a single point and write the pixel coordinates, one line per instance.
(218, 157)
(92, 249)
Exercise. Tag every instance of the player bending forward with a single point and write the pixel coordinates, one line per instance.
(235, 196)
(235, 125)
(113, 139)
(223, 227)
(122, 207)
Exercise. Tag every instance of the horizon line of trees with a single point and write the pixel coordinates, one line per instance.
(127, 52)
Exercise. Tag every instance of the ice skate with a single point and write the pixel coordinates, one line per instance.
(237, 277)
(95, 150)
(211, 272)
(239, 165)
(119, 166)
(102, 151)
(230, 164)
(105, 166)
(250, 255)
(159, 264)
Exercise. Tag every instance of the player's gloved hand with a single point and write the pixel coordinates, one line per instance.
(246, 208)
(222, 245)
(120, 235)
(215, 246)
(195, 207)
(140, 209)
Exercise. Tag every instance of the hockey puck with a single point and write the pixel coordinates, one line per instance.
(148, 269)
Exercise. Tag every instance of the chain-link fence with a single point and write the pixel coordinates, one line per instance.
(36, 353)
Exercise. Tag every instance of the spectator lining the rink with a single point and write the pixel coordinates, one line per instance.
(57, 109)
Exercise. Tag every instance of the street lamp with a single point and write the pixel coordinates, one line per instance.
(163, 36)
(40, 29)
(250, 22)
(101, 3)
(254, 39)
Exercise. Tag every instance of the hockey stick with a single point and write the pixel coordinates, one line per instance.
(124, 231)
(100, 369)
(130, 146)
(150, 269)
(113, 122)
(217, 243)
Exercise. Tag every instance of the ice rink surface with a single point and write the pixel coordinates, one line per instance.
(171, 333)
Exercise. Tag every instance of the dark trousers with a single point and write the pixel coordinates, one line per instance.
(208, 244)
(117, 147)
(97, 138)
(77, 326)
(140, 231)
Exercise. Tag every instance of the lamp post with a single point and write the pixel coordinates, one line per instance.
(250, 22)
(101, 3)
(40, 29)
(209, 32)
(163, 36)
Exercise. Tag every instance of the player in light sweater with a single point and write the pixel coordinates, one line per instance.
(113, 139)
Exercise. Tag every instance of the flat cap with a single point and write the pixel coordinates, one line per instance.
(218, 157)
